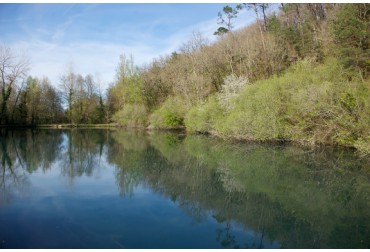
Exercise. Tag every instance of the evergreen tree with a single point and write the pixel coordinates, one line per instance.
(351, 30)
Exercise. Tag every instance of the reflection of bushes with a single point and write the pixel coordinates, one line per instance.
(126, 150)
(167, 144)
(279, 172)
(131, 140)
(313, 190)
(280, 192)
(318, 197)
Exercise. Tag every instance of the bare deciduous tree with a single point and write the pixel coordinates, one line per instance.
(68, 88)
(13, 68)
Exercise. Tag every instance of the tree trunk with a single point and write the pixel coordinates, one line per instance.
(264, 17)
(15, 103)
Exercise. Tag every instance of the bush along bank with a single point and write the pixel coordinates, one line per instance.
(311, 104)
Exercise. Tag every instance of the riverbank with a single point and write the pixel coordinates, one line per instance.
(59, 126)
(313, 104)
(69, 125)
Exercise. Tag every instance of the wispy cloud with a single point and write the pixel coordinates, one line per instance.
(50, 58)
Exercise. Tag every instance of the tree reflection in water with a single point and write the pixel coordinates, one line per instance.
(24, 152)
(298, 197)
(82, 153)
(13, 173)
(278, 193)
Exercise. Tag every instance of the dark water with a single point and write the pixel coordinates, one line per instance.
(122, 189)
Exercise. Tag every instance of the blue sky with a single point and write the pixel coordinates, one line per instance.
(92, 36)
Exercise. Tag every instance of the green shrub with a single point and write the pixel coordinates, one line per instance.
(310, 103)
(363, 146)
(204, 117)
(314, 104)
(170, 115)
(255, 115)
(132, 115)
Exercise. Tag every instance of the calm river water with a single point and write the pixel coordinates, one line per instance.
(91, 188)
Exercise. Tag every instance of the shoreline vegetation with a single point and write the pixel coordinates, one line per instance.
(180, 130)
(300, 75)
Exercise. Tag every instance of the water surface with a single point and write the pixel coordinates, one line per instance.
(90, 188)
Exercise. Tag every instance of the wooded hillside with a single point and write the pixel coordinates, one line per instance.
(299, 74)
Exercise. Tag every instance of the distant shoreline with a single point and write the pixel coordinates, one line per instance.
(211, 134)
(59, 126)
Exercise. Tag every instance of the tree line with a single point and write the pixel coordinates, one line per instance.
(27, 100)
(207, 78)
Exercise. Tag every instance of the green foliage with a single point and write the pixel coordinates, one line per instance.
(313, 104)
(221, 30)
(99, 112)
(132, 115)
(133, 90)
(255, 115)
(225, 18)
(351, 28)
(128, 90)
(204, 117)
(274, 24)
(301, 29)
(172, 120)
(363, 145)
(125, 99)
(38, 102)
(170, 115)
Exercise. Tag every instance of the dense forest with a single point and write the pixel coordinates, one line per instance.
(299, 74)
